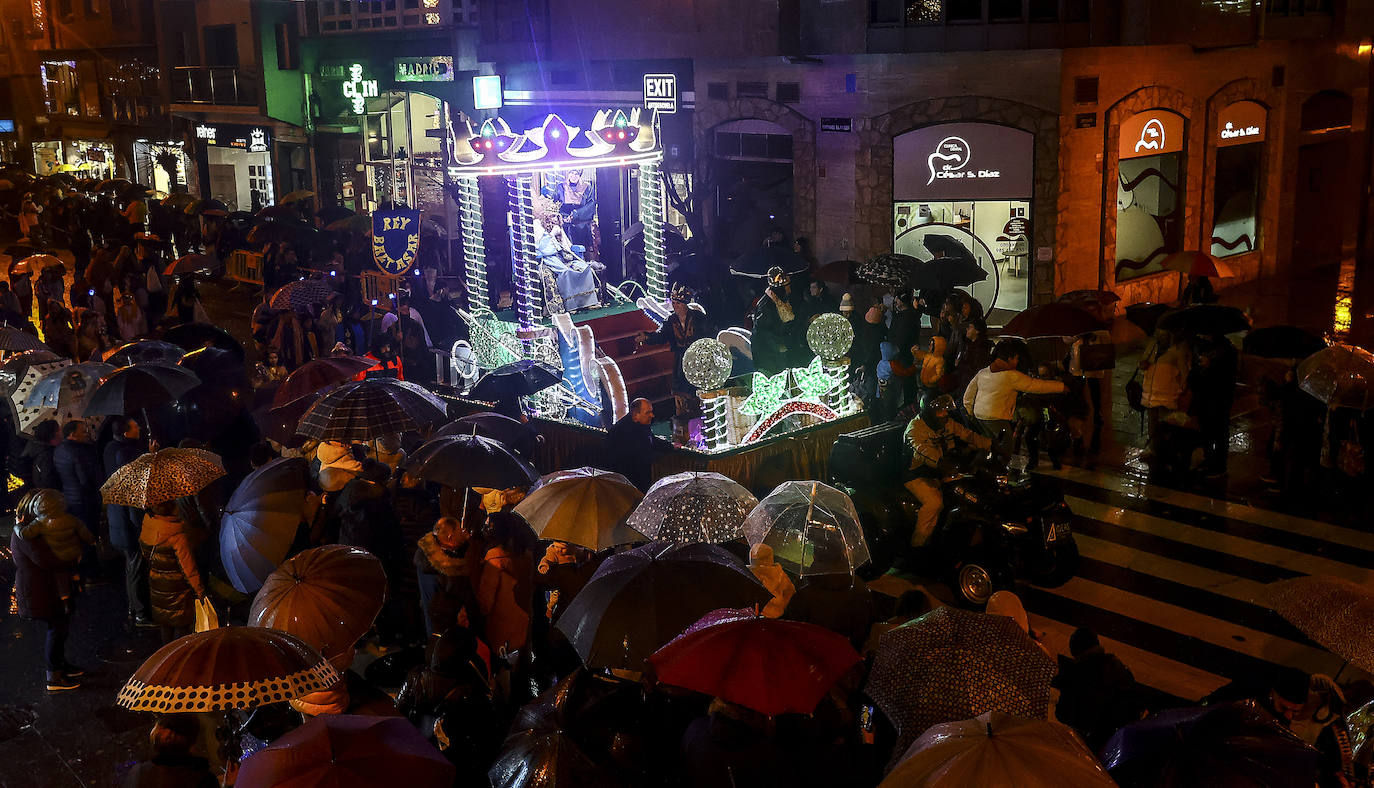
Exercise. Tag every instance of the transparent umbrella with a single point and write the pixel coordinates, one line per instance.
(694, 507)
(813, 529)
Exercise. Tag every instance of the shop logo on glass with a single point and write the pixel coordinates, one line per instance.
(954, 155)
(358, 90)
(1231, 132)
(1151, 137)
(257, 141)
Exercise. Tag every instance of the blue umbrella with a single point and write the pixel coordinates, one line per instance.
(260, 522)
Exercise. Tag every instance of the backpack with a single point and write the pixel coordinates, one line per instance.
(1135, 392)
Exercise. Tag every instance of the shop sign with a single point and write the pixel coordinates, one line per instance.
(253, 139)
(1241, 123)
(839, 125)
(963, 161)
(1012, 239)
(438, 68)
(660, 92)
(1085, 120)
(395, 240)
(359, 90)
(1151, 133)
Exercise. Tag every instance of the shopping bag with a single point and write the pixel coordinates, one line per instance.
(206, 617)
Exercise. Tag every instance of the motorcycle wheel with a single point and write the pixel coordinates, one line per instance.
(973, 582)
(1058, 566)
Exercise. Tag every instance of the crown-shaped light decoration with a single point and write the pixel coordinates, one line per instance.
(614, 138)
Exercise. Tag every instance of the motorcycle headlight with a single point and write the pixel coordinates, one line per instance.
(1015, 529)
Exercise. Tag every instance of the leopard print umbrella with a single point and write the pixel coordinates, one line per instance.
(160, 476)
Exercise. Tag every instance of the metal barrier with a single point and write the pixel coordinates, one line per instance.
(244, 266)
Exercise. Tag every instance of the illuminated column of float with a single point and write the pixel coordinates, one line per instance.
(528, 290)
(830, 335)
(716, 422)
(474, 242)
(651, 215)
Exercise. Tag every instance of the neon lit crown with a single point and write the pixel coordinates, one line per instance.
(613, 139)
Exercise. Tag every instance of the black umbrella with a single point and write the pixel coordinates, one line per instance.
(1282, 342)
(14, 340)
(639, 600)
(462, 461)
(145, 351)
(279, 424)
(946, 273)
(1051, 320)
(520, 379)
(755, 264)
(546, 759)
(191, 336)
(1230, 744)
(138, 387)
(369, 409)
(890, 271)
(839, 272)
(493, 425)
(1212, 319)
(1146, 315)
(939, 243)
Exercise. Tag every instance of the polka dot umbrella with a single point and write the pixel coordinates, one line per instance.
(226, 668)
(693, 507)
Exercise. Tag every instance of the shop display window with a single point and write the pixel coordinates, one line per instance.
(1149, 193)
(1235, 200)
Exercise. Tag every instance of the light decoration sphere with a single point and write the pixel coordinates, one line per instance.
(830, 336)
(706, 364)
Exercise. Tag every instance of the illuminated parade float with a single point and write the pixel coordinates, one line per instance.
(552, 281)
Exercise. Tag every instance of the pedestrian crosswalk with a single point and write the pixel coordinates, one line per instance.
(1174, 583)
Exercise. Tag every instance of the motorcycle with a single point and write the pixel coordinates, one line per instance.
(996, 526)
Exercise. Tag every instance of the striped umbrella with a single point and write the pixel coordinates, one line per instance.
(164, 475)
(369, 409)
(301, 294)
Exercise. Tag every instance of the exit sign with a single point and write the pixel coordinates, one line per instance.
(660, 92)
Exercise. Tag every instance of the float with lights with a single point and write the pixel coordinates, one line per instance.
(592, 390)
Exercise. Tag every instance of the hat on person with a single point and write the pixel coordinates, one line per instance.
(778, 277)
(681, 294)
(846, 303)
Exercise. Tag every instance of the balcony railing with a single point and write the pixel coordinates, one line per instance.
(214, 85)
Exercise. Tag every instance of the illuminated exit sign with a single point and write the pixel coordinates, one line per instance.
(660, 92)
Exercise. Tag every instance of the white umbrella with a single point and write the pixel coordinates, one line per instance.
(813, 529)
(693, 507)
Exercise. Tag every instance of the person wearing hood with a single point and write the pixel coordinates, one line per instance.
(174, 579)
(762, 565)
(338, 466)
(450, 700)
(445, 563)
(43, 515)
(42, 593)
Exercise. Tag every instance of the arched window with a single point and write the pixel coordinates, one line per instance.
(1149, 192)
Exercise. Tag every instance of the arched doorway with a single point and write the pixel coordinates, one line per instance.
(752, 161)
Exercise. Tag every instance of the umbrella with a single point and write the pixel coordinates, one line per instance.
(946, 273)
(359, 223)
(201, 206)
(226, 668)
(694, 507)
(1332, 611)
(279, 424)
(297, 196)
(813, 529)
(68, 389)
(178, 200)
(840, 272)
(952, 664)
(301, 294)
(19, 374)
(1212, 319)
(518, 379)
(997, 750)
(765, 664)
(163, 475)
(260, 520)
(889, 271)
(14, 340)
(278, 211)
(1146, 315)
(191, 336)
(462, 461)
(546, 759)
(637, 601)
(490, 424)
(1051, 320)
(583, 700)
(18, 252)
(331, 213)
(349, 751)
(1288, 342)
(584, 506)
(327, 596)
(145, 351)
(1231, 744)
(1339, 376)
(319, 375)
(152, 237)
(368, 409)
(756, 264)
(114, 184)
(190, 263)
(139, 387)
(32, 263)
(1089, 299)
(1197, 264)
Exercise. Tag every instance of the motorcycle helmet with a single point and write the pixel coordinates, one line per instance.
(937, 409)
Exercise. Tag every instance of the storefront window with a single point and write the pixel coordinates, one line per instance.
(1149, 193)
(1236, 184)
(972, 183)
(47, 156)
(92, 157)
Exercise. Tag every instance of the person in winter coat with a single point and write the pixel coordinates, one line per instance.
(174, 580)
(445, 567)
(505, 585)
(44, 516)
(1165, 383)
(991, 395)
(338, 466)
(778, 330)
(564, 570)
(126, 446)
(450, 700)
(1097, 692)
(172, 764)
(366, 518)
(78, 467)
(777, 582)
(839, 602)
(37, 597)
(1212, 380)
(730, 747)
(39, 456)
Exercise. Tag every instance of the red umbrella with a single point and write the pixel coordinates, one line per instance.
(1197, 264)
(318, 376)
(765, 664)
(1051, 320)
(348, 750)
(190, 264)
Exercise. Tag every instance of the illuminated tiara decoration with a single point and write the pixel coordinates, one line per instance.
(614, 139)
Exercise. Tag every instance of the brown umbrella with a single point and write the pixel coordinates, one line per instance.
(1334, 612)
(226, 668)
(327, 596)
(1197, 264)
(190, 263)
(159, 476)
(585, 506)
